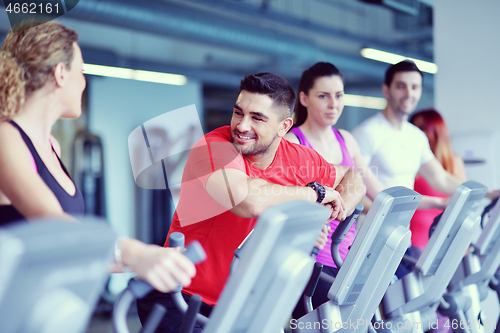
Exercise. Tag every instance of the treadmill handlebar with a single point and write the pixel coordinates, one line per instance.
(176, 239)
(486, 210)
(341, 231)
(343, 227)
(137, 289)
(194, 252)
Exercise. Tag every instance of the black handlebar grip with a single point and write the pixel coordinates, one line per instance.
(486, 211)
(313, 281)
(176, 239)
(139, 288)
(343, 227)
(195, 252)
(434, 224)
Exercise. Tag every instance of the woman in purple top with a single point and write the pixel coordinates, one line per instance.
(320, 102)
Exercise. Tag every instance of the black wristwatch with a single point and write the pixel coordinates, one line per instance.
(319, 189)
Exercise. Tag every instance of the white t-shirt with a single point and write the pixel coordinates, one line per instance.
(394, 156)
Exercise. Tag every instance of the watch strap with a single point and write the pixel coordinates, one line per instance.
(320, 190)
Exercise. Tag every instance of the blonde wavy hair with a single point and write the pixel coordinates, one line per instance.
(28, 59)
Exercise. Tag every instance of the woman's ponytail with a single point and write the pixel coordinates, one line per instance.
(12, 86)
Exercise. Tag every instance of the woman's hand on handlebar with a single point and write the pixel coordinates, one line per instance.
(322, 237)
(164, 268)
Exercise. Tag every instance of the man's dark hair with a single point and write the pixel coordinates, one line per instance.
(274, 86)
(403, 66)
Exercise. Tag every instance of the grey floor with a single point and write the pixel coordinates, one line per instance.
(101, 323)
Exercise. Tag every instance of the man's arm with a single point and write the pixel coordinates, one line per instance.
(249, 197)
(440, 179)
(430, 202)
(351, 188)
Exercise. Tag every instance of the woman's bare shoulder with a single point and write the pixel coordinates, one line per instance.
(292, 137)
(9, 135)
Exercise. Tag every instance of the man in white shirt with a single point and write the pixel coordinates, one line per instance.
(395, 149)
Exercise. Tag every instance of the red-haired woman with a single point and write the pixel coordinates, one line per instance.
(432, 124)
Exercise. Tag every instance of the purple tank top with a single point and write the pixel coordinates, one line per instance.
(325, 256)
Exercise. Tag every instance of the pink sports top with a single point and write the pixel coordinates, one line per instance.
(325, 256)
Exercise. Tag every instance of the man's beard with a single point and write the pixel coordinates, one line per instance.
(254, 149)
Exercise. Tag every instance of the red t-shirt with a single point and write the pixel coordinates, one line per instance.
(423, 218)
(198, 216)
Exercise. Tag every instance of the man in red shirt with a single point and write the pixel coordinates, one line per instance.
(235, 172)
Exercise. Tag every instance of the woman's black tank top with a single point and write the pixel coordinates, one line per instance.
(71, 204)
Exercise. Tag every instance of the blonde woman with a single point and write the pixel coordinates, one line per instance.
(41, 81)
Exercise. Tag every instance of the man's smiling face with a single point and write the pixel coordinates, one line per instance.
(254, 124)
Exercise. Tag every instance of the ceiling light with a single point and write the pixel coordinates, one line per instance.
(368, 102)
(134, 74)
(392, 58)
